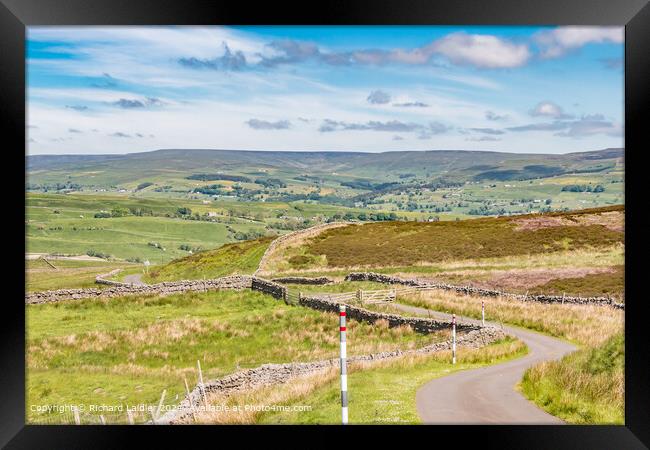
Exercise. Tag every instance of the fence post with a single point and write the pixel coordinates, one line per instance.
(360, 296)
(344, 371)
(160, 403)
(483, 312)
(129, 416)
(75, 411)
(205, 400)
(189, 399)
(453, 339)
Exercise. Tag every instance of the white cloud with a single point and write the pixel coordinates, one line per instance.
(559, 41)
(549, 109)
(210, 109)
(481, 50)
(378, 97)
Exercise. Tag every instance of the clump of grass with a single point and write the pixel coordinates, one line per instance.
(247, 407)
(585, 387)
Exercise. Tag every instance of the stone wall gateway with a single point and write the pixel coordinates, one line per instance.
(542, 298)
(269, 287)
(101, 279)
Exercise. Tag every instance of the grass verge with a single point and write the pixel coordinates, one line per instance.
(585, 387)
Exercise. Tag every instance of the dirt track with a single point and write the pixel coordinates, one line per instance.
(487, 395)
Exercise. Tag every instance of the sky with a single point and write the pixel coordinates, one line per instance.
(100, 90)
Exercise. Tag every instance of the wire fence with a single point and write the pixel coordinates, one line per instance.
(71, 417)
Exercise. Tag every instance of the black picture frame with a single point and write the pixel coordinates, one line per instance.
(15, 15)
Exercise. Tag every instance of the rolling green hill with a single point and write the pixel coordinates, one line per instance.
(460, 166)
(453, 183)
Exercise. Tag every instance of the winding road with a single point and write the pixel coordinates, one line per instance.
(487, 395)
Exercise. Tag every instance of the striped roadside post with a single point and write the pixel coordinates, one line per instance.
(453, 339)
(344, 371)
(483, 312)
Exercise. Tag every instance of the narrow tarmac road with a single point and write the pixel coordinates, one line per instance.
(487, 395)
(135, 280)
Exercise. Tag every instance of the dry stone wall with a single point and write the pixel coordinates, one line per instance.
(420, 325)
(268, 287)
(303, 280)
(470, 290)
(166, 288)
(102, 278)
(276, 374)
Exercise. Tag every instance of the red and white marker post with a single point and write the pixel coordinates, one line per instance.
(453, 339)
(483, 312)
(344, 371)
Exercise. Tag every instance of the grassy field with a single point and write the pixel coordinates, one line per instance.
(127, 350)
(68, 274)
(406, 243)
(586, 387)
(235, 258)
(66, 224)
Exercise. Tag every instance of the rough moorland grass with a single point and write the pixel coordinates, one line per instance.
(585, 387)
(127, 350)
(406, 243)
(592, 284)
(68, 274)
(585, 325)
(584, 257)
(379, 393)
(239, 258)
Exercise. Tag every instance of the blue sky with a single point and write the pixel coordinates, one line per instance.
(96, 90)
